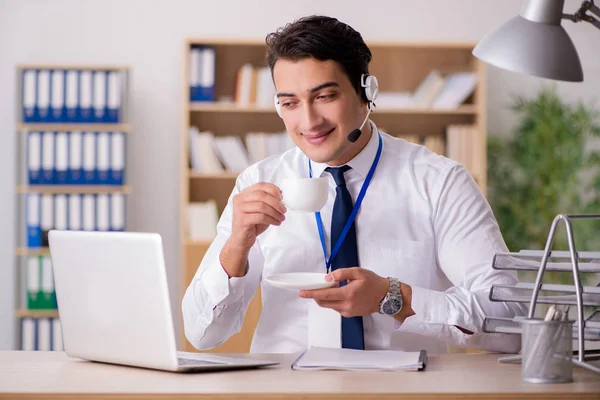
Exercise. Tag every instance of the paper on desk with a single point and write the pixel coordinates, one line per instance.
(316, 358)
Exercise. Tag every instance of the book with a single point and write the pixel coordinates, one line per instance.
(322, 358)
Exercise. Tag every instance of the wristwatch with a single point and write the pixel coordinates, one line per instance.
(392, 302)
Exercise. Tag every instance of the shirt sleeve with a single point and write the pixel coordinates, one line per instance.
(467, 236)
(214, 305)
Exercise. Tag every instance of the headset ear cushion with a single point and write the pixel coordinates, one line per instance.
(277, 106)
(370, 87)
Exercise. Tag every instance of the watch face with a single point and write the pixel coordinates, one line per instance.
(392, 306)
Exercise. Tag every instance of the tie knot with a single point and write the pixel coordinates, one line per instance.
(338, 174)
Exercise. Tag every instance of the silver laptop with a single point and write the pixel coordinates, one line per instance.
(114, 306)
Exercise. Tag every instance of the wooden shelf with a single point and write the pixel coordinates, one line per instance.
(22, 313)
(66, 127)
(69, 67)
(76, 189)
(37, 251)
(214, 175)
(234, 108)
(197, 243)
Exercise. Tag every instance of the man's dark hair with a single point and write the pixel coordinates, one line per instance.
(322, 38)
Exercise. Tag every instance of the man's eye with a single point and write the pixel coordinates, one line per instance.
(326, 96)
(287, 104)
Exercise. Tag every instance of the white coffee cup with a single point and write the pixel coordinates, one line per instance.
(305, 194)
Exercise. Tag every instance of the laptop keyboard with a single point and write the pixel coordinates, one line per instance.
(191, 361)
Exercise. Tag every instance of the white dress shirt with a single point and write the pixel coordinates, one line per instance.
(423, 220)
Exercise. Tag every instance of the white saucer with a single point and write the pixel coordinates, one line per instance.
(300, 281)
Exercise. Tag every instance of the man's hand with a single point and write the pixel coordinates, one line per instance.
(254, 209)
(359, 297)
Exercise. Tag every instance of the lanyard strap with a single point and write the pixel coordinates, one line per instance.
(350, 221)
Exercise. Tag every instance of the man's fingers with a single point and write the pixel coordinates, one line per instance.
(343, 274)
(266, 187)
(331, 294)
(259, 196)
(258, 207)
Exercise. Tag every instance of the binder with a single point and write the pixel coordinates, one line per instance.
(57, 95)
(207, 75)
(75, 163)
(57, 340)
(34, 231)
(89, 158)
(195, 55)
(62, 158)
(85, 97)
(117, 158)
(103, 162)
(29, 95)
(115, 94)
(33, 282)
(43, 96)
(71, 113)
(102, 212)
(48, 297)
(34, 157)
(48, 164)
(75, 211)
(88, 220)
(100, 103)
(44, 334)
(28, 334)
(117, 212)
(61, 207)
(47, 217)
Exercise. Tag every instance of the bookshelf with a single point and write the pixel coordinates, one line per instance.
(399, 67)
(72, 136)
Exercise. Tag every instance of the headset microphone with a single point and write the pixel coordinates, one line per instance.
(355, 134)
(370, 89)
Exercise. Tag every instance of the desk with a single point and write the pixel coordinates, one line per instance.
(52, 375)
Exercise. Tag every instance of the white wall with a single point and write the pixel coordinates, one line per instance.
(149, 37)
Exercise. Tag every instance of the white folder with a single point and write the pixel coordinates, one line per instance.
(29, 83)
(47, 280)
(115, 79)
(62, 157)
(33, 281)
(75, 212)
(85, 96)
(47, 217)
(75, 162)
(89, 157)
(57, 340)
(89, 212)
(103, 162)
(99, 95)
(117, 158)
(48, 164)
(44, 334)
(28, 332)
(43, 95)
(102, 212)
(58, 95)
(117, 212)
(71, 95)
(34, 156)
(34, 238)
(60, 212)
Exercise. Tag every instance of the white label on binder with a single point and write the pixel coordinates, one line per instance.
(62, 151)
(33, 274)
(103, 151)
(71, 98)
(99, 92)
(117, 161)
(117, 212)
(89, 217)
(89, 151)
(102, 212)
(43, 334)
(60, 212)
(47, 276)
(29, 89)
(47, 212)
(57, 341)
(74, 212)
(43, 89)
(114, 90)
(85, 89)
(75, 150)
(48, 150)
(195, 67)
(207, 77)
(58, 93)
(34, 150)
(28, 334)
(33, 209)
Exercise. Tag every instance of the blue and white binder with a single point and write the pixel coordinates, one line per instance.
(48, 164)
(34, 230)
(57, 340)
(57, 96)
(117, 212)
(103, 212)
(61, 207)
(47, 217)
(75, 212)
(207, 75)
(115, 97)
(72, 96)
(85, 96)
(43, 96)
(75, 163)
(29, 95)
(34, 157)
(89, 158)
(117, 158)
(62, 158)
(28, 334)
(100, 98)
(88, 212)
(195, 56)
(44, 334)
(103, 161)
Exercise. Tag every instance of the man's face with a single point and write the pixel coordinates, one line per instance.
(319, 107)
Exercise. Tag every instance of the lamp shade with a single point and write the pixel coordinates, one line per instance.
(534, 48)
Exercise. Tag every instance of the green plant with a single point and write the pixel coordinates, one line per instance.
(547, 167)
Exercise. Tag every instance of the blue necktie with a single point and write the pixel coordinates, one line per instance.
(347, 256)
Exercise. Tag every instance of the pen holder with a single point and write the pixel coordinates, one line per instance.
(547, 350)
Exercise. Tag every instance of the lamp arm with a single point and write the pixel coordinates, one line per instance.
(581, 14)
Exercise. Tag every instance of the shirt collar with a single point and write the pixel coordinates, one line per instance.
(362, 162)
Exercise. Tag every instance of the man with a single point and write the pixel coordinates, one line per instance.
(414, 268)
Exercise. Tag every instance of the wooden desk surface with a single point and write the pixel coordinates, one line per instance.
(44, 375)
